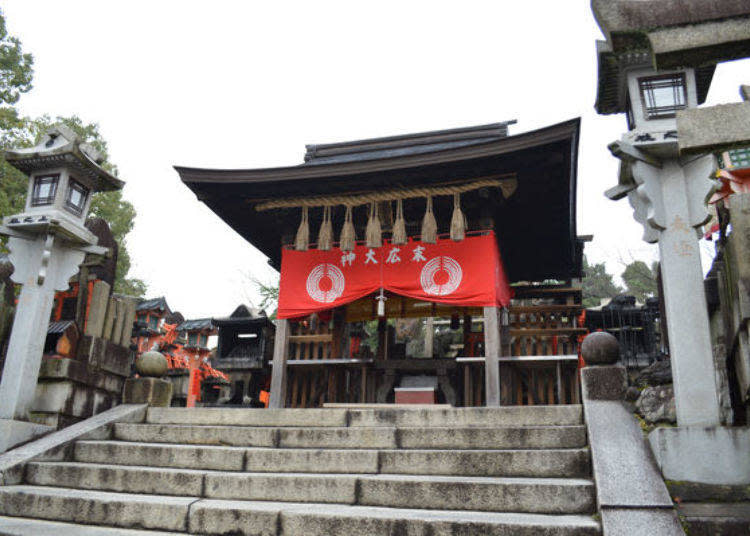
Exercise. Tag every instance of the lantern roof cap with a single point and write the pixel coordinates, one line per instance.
(664, 35)
(61, 146)
(243, 315)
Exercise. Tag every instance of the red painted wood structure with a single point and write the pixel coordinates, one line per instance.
(183, 342)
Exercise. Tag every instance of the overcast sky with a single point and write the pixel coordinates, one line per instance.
(230, 84)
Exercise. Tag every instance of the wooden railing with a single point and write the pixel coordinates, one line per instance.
(525, 380)
(317, 373)
(541, 367)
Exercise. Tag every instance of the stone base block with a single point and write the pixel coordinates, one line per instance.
(151, 391)
(712, 455)
(14, 433)
(604, 382)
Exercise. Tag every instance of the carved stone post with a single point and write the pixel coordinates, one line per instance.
(43, 267)
(670, 202)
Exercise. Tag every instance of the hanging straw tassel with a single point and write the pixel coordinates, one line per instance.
(325, 235)
(458, 220)
(348, 237)
(302, 239)
(429, 225)
(398, 235)
(373, 233)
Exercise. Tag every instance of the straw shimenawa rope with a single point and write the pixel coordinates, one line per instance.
(373, 231)
(325, 235)
(429, 224)
(398, 233)
(507, 183)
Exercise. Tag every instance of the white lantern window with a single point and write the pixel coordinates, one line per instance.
(76, 198)
(663, 95)
(45, 188)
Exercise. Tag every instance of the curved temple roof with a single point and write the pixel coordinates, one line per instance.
(536, 226)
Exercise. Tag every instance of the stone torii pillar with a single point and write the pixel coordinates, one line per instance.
(670, 202)
(655, 67)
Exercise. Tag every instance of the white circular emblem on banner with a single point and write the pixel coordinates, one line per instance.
(441, 276)
(325, 283)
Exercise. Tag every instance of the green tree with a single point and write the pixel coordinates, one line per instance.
(640, 280)
(16, 67)
(597, 284)
(16, 74)
(269, 296)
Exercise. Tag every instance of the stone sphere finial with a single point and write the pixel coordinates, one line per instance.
(151, 364)
(600, 348)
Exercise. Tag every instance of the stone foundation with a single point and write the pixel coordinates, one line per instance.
(70, 390)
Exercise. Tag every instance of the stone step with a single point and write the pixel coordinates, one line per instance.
(228, 458)
(531, 495)
(248, 417)
(21, 526)
(727, 519)
(160, 455)
(96, 507)
(559, 415)
(540, 495)
(397, 416)
(523, 462)
(362, 437)
(510, 437)
(221, 517)
(261, 519)
(117, 478)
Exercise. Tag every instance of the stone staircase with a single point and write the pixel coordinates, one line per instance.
(327, 472)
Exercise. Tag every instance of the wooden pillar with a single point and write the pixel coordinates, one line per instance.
(279, 372)
(382, 352)
(429, 337)
(505, 350)
(505, 377)
(491, 355)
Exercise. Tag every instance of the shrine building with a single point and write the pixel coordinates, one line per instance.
(440, 267)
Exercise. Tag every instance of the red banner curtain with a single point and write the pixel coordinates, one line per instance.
(467, 273)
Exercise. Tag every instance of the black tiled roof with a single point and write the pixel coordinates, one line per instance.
(196, 325)
(159, 303)
(408, 144)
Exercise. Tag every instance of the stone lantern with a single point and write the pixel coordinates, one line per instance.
(656, 66)
(47, 243)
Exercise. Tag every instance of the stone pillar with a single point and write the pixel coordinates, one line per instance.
(42, 266)
(670, 202)
(150, 388)
(25, 350)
